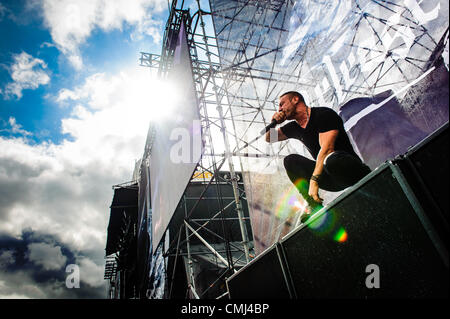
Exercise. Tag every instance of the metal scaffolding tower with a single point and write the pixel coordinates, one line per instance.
(207, 79)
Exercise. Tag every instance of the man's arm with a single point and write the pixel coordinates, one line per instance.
(326, 141)
(280, 136)
(279, 117)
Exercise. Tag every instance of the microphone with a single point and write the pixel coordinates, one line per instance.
(264, 131)
(268, 127)
(273, 124)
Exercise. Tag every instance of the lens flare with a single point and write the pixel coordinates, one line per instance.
(324, 224)
(301, 185)
(291, 203)
(288, 204)
(298, 205)
(341, 236)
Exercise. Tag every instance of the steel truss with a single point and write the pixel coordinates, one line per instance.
(206, 74)
(227, 67)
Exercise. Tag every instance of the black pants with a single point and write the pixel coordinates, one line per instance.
(341, 170)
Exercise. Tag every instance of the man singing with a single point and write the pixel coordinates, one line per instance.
(321, 130)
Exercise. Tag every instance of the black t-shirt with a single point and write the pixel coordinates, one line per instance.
(322, 119)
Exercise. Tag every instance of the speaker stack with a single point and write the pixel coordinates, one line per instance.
(386, 237)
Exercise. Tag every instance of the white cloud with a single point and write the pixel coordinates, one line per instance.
(15, 286)
(8, 292)
(76, 61)
(71, 22)
(26, 72)
(66, 94)
(148, 27)
(14, 296)
(44, 274)
(100, 90)
(22, 284)
(48, 256)
(91, 273)
(65, 189)
(17, 128)
(14, 128)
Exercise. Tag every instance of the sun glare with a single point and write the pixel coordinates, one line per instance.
(143, 99)
(153, 99)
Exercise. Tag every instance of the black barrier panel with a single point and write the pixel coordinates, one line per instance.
(428, 164)
(262, 278)
(124, 205)
(176, 278)
(372, 237)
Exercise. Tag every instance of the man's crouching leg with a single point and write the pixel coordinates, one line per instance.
(299, 170)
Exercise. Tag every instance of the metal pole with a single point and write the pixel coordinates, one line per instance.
(190, 270)
(228, 156)
(207, 245)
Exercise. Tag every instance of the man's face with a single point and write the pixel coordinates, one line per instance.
(287, 106)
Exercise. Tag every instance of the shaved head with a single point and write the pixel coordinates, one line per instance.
(291, 94)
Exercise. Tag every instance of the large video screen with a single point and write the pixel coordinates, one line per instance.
(177, 142)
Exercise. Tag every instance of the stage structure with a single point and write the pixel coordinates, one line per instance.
(215, 173)
(382, 65)
(121, 244)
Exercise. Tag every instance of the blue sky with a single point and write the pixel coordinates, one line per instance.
(74, 112)
(102, 51)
